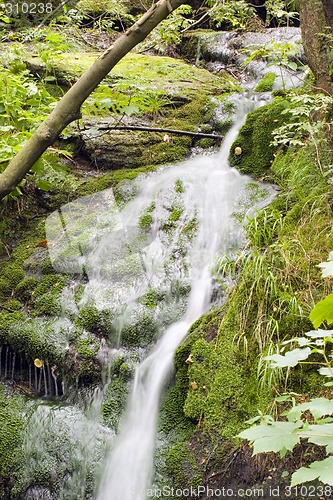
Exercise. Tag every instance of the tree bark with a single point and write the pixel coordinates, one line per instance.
(68, 108)
(316, 18)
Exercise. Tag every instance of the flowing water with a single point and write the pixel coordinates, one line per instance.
(214, 192)
(158, 240)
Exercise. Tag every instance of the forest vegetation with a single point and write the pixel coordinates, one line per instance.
(251, 400)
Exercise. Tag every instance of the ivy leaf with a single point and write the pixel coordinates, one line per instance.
(277, 436)
(320, 469)
(319, 407)
(291, 358)
(322, 311)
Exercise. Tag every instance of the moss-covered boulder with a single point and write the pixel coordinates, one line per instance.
(252, 152)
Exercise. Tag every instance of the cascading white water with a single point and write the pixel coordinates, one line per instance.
(213, 191)
(158, 236)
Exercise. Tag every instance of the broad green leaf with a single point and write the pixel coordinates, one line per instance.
(327, 268)
(321, 470)
(302, 341)
(43, 185)
(277, 437)
(292, 65)
(320, 334)
(321, 435)
(318, 407)
(291, 358)
(322, 311)
(6, 128)
(326, 372)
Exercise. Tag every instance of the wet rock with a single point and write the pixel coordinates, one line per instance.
(227, 50)
(38, 493)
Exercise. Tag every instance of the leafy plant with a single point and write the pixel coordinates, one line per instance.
(282, 11)
(312, 420)
(23, 105)
(285, 55)
(168, 32)
(236, 14)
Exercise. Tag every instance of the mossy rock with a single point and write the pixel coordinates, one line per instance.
(94, 320)
(183, 467)
(252, 152)
(140, 330)
(115, 400)
(12, 410)
(25, 288)
(266, 83)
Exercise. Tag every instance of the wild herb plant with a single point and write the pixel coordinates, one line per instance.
(311, 420)
(285, 55)
(236, 14)
(168, 33)
(24, 103)
(283, 12)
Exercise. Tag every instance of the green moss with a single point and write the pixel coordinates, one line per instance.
(47, 305)
(255, 137)
(36, 338)
(5, 287)
(12, 409)
(25, 288)
(51, 283)
(164, 152)
(266, 83)
(183, 467)
(7, 320)
(145, 221)
(151, 298)
(114, 401)
(14, 305)
(94, 320)
(12, 272)
(179, 186)
(86, 348)
(140, 330)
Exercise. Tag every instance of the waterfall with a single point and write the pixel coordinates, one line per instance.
(213, 192)
(144, 256)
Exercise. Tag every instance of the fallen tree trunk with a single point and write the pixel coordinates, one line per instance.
(68, 108)
(158, 129)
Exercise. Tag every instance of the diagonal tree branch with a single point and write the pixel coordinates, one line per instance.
(68, 108)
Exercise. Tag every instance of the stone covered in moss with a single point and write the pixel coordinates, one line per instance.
(182, 464)
(12, 409)
(256, 153)
(266, 83)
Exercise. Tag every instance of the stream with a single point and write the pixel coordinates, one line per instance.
(147, 255)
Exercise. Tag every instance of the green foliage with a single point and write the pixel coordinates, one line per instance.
(282, 436)
(308, 115)
(23, 106)
(285, 55)
(234, 14)
(168, 32)
(99, 14)
(282, 11)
